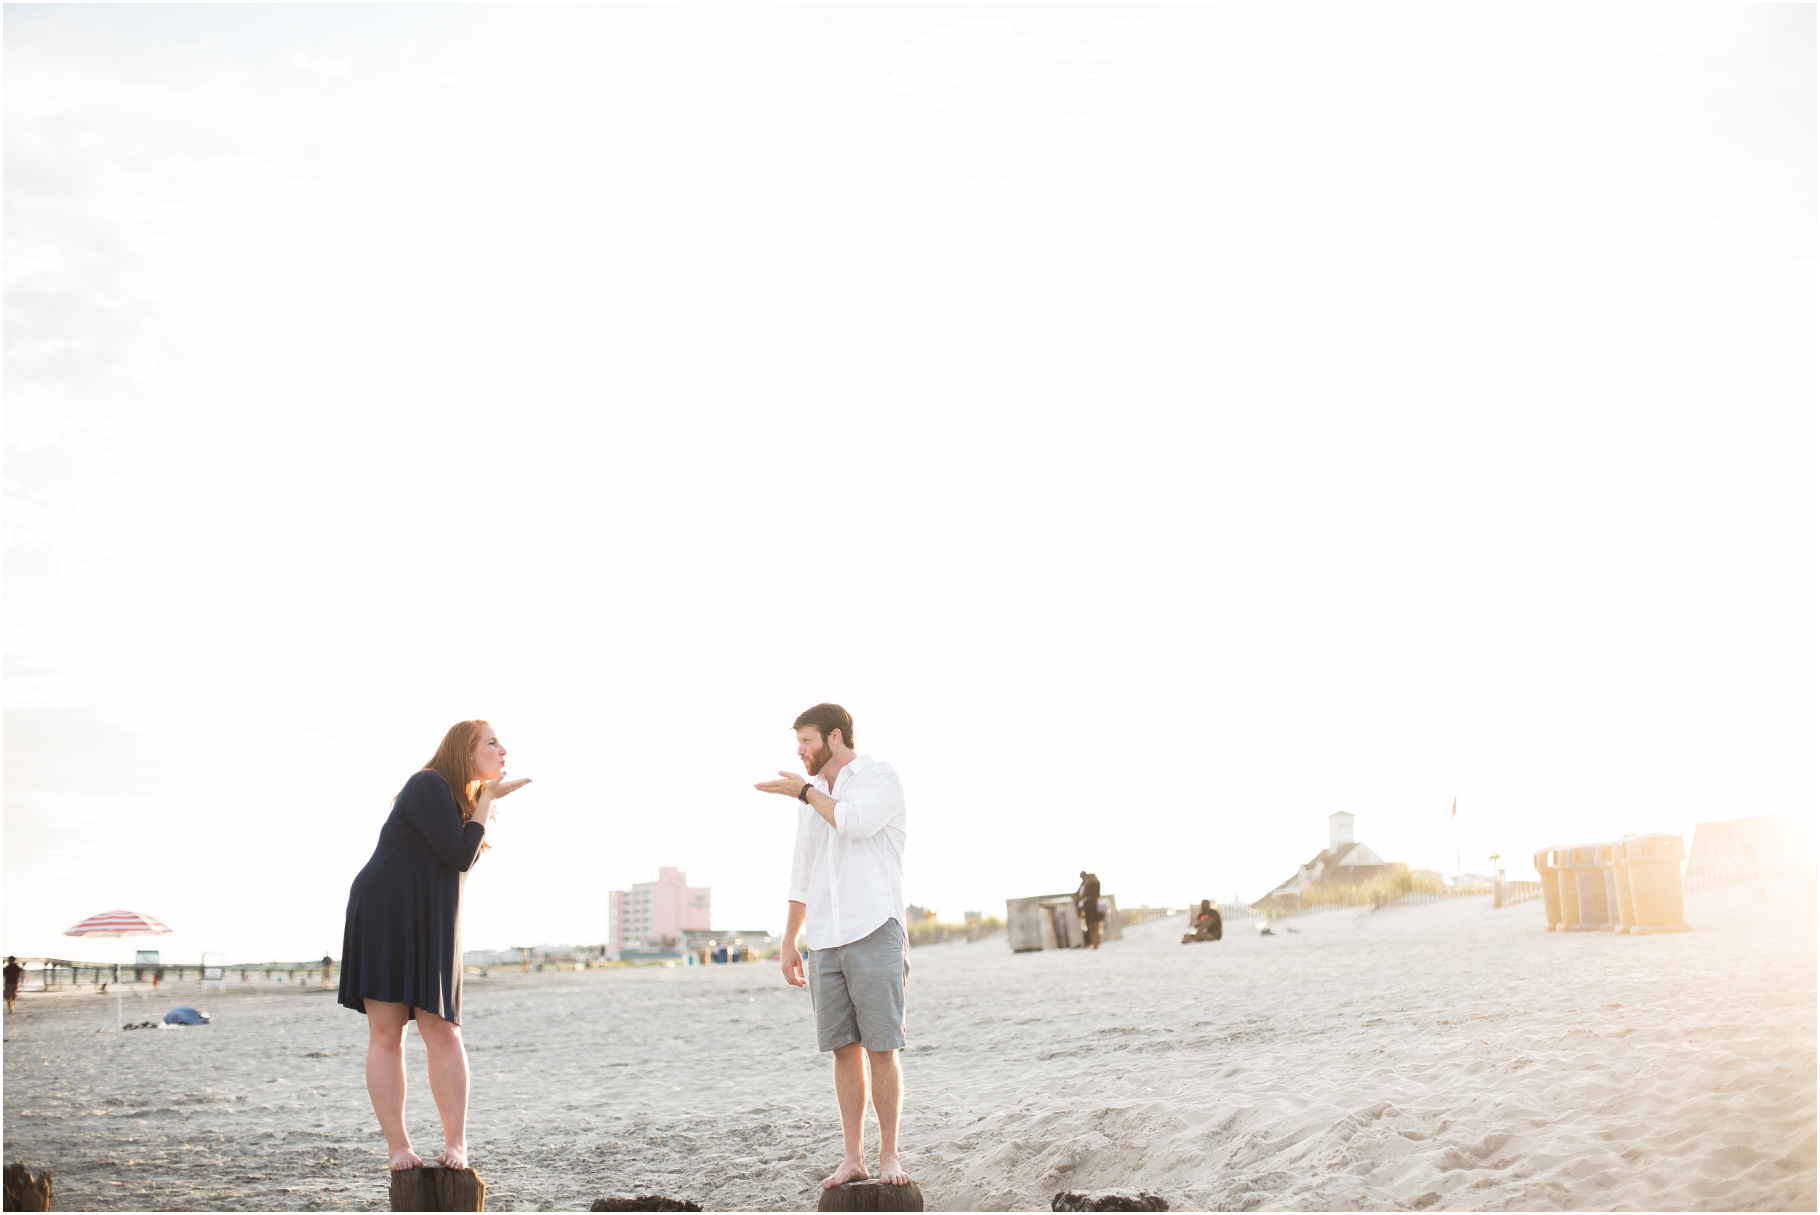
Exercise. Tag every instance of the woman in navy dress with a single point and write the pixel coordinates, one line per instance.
(401, 949)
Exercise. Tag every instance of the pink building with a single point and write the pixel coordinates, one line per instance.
(654, 915)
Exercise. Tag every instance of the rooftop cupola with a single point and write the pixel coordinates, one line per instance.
(1339, 829)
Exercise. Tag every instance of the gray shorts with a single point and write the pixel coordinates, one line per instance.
(858, 990)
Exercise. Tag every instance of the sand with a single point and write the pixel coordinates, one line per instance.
(1447, 1056)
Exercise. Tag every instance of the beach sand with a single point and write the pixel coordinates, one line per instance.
(1445, 1056)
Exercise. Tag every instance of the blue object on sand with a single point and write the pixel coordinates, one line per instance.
(185, 1016)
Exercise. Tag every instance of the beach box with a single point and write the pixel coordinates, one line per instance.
(1114, 929)
(1653, 865)
(1549, 871)
(1051, 921)
(1609, 860)
(1582, 877)
(1030, 923)
(1567, 889)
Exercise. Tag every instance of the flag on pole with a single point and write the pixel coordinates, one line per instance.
(1454, 814)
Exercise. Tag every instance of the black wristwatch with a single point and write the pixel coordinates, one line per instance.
(803, 797)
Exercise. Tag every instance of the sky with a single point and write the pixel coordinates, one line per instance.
(1162, 427)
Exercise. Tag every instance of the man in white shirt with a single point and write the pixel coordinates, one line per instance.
(847, 898)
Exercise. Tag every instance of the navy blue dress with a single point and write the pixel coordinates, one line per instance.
(402, 942)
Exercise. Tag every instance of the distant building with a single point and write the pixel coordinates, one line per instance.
(652, 916)
(1344, 862)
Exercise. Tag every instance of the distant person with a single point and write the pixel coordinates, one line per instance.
(1087, 898)
(14, 972)
(401, 949)
(1207, 925)
(328, 967)
(847, 896)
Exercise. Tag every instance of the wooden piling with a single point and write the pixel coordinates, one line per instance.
(871, 1195)
(645, 1202)
(1074, 1200)
(26, 1190)
(433, 1188)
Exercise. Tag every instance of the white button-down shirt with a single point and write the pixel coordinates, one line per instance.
(850, 877)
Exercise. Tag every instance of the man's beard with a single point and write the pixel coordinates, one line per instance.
(819, 759)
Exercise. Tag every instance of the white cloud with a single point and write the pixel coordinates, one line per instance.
(322, 65)
(956, 57)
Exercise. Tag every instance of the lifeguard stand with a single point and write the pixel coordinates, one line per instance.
(214, 970)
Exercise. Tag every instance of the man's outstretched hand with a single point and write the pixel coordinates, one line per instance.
(789, 784)
(793, 967)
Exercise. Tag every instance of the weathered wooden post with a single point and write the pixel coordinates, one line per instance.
(1074, 1200)
(644, 1202)
(26, 1190)
(871, 1195)
(433, 1188)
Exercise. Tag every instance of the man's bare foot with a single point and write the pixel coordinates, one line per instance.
(890, 1172)
(453, 1157)
(849, 1170)
(404, 1158)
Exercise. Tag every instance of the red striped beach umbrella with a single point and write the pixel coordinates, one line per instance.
(117, 924)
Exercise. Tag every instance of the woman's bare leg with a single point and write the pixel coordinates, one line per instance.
(448, 1060)
(385, 1078)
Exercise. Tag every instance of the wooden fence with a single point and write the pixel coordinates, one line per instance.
(1412, 898)
(1708, 876)
(1518, 892)
(1130, 917)
(1316, 908)
(55, 974)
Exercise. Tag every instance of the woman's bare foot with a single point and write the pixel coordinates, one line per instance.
(455, 1157)
(890, 1172)
(850, 1170)
(404, 1158)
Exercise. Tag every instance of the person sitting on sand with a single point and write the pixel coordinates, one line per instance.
(1207, 925)
(401, 949)
(14, 972)
(847, 891)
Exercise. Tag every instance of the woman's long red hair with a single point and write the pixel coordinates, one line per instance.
(454, 762)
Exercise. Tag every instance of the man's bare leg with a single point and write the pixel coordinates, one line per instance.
(850, 1092)
(887, 1100)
